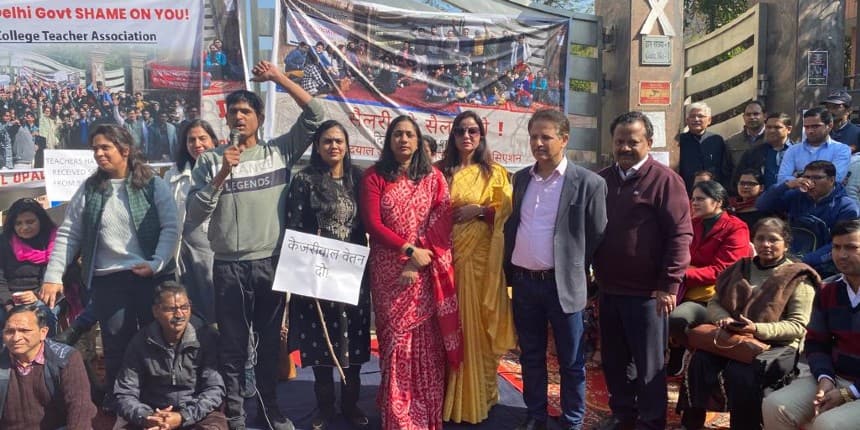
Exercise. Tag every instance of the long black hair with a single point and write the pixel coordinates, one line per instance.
(451, 157)
(387, 165)
(139, 171)
(316, 159)
(46, 225)
(182, 156)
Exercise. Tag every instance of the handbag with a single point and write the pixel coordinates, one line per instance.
(743, 348)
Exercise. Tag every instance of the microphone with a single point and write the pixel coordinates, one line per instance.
(234, 137)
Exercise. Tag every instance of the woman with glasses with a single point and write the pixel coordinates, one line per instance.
(750, 186)
(25, 246)
(719, 240)
(769, 297)
(406, 211)
(122, 221)
(481, 197)
(323, 200)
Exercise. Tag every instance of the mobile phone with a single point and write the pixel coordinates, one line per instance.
(737, 324)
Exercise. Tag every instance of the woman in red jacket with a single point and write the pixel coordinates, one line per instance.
(719, 240)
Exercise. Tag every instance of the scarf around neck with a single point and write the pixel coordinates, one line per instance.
(25, 252)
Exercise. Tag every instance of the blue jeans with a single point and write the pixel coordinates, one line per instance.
(535, 303)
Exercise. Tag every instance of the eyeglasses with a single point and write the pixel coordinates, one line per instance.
(748, 184)
(461, 131)
(813, 126)
(174, 309)
(815, 177)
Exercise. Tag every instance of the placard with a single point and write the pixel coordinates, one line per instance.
(65, 171)
(315, 266)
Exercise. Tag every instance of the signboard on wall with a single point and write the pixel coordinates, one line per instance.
(817, 69)
(655, 51)
(655, 93)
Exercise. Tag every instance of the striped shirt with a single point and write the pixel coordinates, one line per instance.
(832, 340)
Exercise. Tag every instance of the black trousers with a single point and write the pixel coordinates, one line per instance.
(744, 385)
(633, 334)
(244, 299)
(122, 303)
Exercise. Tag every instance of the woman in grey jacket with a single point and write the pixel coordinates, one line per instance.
(122, 222)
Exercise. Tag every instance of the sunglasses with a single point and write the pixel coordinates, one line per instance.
(461, 131)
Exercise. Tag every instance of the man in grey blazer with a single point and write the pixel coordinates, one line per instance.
(557, 224)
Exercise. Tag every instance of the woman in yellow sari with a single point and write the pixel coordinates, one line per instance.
(481, 198)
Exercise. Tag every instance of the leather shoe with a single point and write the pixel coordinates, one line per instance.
(613, 423)
(532, 424)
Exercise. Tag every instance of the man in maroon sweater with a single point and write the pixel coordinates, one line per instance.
(648, 235)
(43, 384)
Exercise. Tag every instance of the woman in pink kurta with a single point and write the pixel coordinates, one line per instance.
(406, 211)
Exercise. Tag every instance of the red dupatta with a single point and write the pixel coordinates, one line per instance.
(437, 238)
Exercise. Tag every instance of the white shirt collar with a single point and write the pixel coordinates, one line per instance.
(635, 168)
(560, 169)
(853, 298)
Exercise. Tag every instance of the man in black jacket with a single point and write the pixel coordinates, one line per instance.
(703, 150)
(169, 377)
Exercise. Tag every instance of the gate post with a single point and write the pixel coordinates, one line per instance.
(630, 83)
(795, 28)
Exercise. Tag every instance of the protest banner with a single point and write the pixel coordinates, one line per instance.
(319, 267)
(369, 63)
(30, 178)
(65, 171)
(71, 65)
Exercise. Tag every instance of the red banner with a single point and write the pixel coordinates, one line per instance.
(166, 77)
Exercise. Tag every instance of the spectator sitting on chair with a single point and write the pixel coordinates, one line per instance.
(814, 203)
(827, 399)
(719, 240)
(25, 245)
(169, 378)
(44, 383)
(769, 297)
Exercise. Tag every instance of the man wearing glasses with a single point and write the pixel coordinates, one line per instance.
(169, 377)
(814, 203)
(818, 145)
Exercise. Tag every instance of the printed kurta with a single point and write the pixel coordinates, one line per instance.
(413, 322)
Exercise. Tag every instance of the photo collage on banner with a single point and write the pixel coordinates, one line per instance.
(67, 67)
(370, 63)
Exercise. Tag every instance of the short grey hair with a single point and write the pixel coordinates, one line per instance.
(700, 106)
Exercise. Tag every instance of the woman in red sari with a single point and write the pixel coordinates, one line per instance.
(406, 211)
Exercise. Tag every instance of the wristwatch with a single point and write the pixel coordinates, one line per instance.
(481, 215)
(409, 251)
(847, 395)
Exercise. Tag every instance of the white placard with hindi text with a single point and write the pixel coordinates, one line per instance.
(315, 266)
(65, 171)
